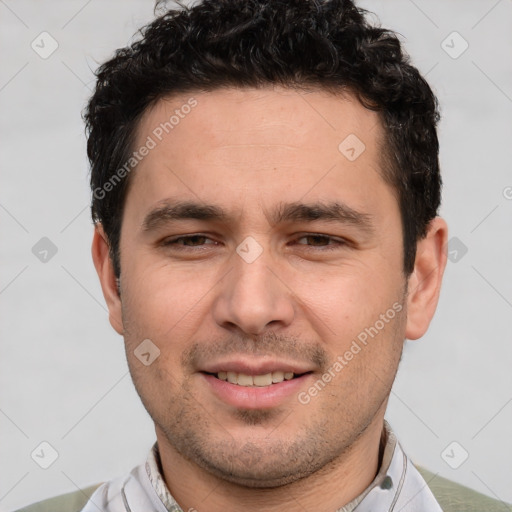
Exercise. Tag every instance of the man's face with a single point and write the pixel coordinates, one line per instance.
(274, 286)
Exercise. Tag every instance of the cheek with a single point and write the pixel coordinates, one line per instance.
(164, 303)
(350, 297)
(369, 354)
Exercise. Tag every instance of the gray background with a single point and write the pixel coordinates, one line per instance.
(63, 374)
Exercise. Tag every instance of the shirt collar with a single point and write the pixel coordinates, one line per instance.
(388, 443)
(384, 491)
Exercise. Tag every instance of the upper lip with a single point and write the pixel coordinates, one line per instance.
(248, 367)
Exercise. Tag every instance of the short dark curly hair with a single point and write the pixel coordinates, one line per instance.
(319, 44)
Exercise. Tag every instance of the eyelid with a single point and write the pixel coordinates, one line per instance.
(337, 241)
(171, 240)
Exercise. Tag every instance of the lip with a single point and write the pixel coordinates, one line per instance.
(265, 397)
(253, 367)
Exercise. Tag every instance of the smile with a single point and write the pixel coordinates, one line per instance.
(262, 391)
(267, 379)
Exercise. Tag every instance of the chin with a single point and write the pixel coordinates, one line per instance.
(253, 467)
(257, 478)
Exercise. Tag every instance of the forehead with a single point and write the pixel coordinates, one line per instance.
(258, 143)
(255, 116)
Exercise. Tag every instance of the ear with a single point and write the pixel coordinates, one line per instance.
(425, 281)
(105, 270)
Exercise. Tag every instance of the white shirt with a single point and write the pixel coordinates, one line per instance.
(398, 487)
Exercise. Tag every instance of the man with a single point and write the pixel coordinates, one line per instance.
(265, 184)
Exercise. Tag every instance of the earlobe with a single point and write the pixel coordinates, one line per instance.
(425, 281)
(105, 270)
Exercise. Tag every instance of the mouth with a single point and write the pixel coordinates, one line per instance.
(255, 383)
(258, 391)
(258, 381)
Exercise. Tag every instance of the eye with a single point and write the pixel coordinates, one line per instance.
(325, 242)
(180, 242)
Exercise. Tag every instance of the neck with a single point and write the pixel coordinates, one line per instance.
(328, 489)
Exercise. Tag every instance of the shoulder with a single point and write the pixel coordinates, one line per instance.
(454, 497)
(71, 502)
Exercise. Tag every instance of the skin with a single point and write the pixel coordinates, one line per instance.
(249, 151)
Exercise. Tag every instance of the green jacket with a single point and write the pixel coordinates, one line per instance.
(451, 496)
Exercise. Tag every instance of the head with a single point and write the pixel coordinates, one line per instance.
(265, 186)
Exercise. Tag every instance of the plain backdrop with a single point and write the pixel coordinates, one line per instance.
(63, 374)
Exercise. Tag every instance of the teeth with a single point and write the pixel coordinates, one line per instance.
(277, 377)
(261, 380)
(257, 380)
(245, 380)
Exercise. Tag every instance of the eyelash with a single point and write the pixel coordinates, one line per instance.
(338, 242)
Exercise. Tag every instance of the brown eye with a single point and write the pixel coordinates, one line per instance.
(317, 240)
(188, 241)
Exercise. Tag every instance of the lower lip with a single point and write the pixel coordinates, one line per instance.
(264, 397)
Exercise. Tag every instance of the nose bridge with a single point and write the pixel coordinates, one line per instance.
(252, 296)
(252, 263)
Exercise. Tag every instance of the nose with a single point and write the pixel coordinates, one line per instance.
(253, 297)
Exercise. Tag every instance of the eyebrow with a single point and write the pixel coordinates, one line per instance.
(336, 211)
(332, 211)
